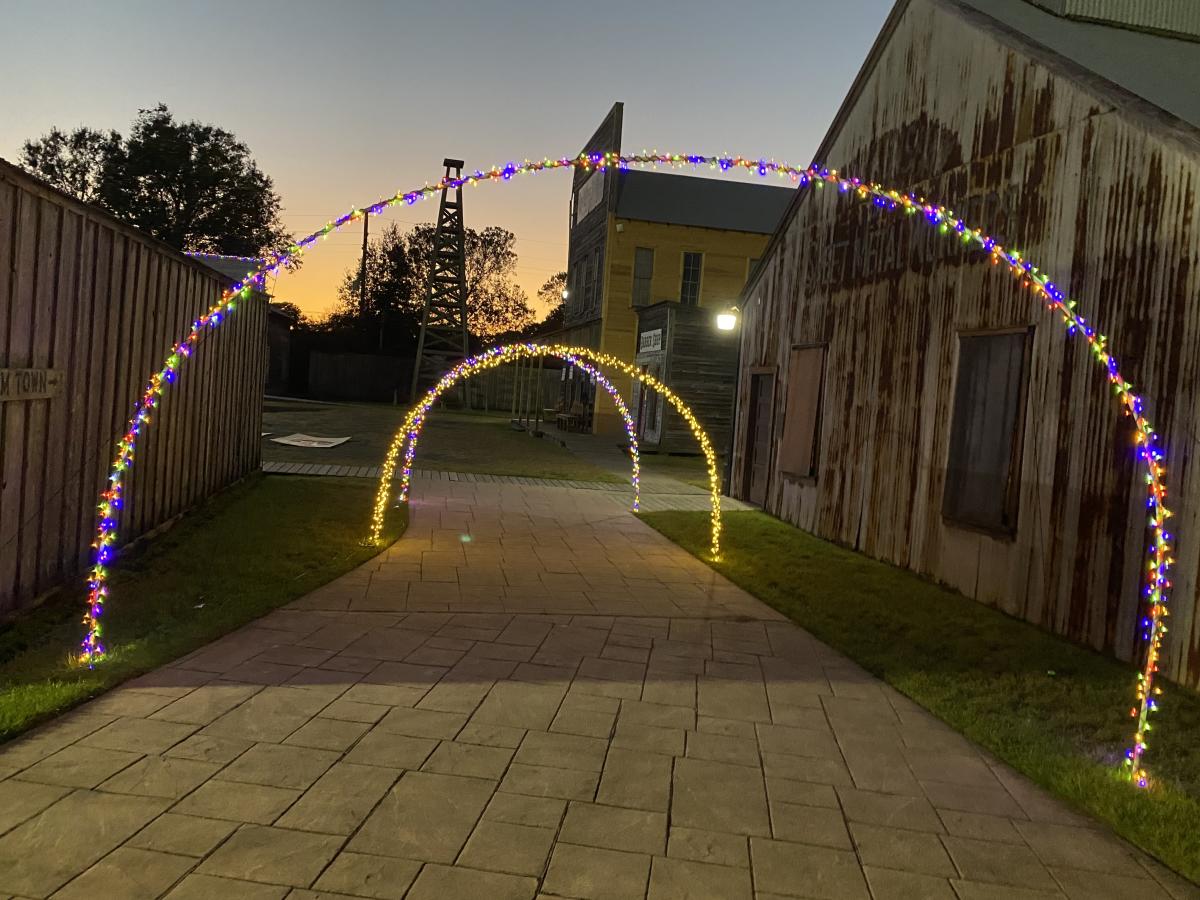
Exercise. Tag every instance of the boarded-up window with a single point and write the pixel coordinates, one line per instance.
(802, 422)
(984, 466)
(689, 288)
(643, 273)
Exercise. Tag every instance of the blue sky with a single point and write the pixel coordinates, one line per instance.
(342, 103)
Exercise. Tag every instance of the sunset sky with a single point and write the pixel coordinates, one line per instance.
(342, 103)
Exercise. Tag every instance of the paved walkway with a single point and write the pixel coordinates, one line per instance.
(531, 695)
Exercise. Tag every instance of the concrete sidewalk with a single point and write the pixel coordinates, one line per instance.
(531, 695)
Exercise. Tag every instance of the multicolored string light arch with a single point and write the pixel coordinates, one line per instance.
(410, 431)
(1159, 560)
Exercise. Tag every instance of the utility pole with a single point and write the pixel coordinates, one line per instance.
(362, 273)
(443, 340)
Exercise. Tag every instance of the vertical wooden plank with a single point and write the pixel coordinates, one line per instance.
(136, 371)
(57, 474)
(80, 412)
(11, 202)
(16, 434)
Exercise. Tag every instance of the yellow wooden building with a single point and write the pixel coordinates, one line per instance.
(641, 237)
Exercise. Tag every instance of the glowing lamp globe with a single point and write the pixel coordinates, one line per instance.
(726, 321)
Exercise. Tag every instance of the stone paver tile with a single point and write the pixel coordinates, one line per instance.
(729, 699)
(810, 825)
(795, 741)
(708, 846)
(591, 873)
(549, 781)
(896, 848)
(893, 810)
(270, 715)
(720, 797)
(440, 882)
(992, 801)
(79, 767)
(327, 734)
(978, 890)
(505, 847)
(632, 736)
(127, 702)
(340, 800)
(805, 793)
(395, 751)
(980, 826)
(423, 723)
(662, 715)
(1078, 884)
(679, 691)
(425, 816)
(159, 776)
(722, 748)
(586, 722)
(206, 703)
(363, 875)
(804, 768)
(616, 828)
(890, 884)
(1064, 846)
(19, 800)
(237, 802)
(1007, 864)
(451, 758)
(491, 735)
(138, 735)
(184, 835)
(280, 766)
(40, 855)
(564, 751)
(207, 748)
(384, 695)
(127, 874)
(518, 809)
(353, 711)
(788, 869)
(727, 727)
(520, 705)
(636, 780)
(957, 768)
(207, 887)
(272, 855)
(682, 879)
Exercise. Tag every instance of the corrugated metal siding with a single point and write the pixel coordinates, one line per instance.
(1179, 16)
(1113, 212)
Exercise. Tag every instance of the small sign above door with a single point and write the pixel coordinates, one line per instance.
(30, 384)
(650, 340)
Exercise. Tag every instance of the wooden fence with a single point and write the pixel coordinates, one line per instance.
(93, 306)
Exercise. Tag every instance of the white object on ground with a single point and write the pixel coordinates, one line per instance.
(310, 440)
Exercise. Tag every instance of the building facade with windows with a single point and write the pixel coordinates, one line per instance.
(639, 238)
(899, 395)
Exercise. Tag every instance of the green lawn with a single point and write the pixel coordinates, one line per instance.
(688, 469)
(450, 442)
(249, 550)
(1049, 708)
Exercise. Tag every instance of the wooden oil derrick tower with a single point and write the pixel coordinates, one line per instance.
(443, 342)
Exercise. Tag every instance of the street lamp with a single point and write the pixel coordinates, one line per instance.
(728, 321)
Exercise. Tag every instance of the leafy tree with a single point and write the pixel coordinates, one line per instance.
(191, 185)
(551, 294)
(73, 162)
(399, 266)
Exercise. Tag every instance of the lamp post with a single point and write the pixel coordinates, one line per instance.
(730, 320)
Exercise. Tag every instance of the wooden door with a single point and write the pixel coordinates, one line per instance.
(758, 445)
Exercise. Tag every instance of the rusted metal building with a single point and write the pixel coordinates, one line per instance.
(900, 396)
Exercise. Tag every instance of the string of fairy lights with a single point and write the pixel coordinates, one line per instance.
(1156, 583)
(410, 430)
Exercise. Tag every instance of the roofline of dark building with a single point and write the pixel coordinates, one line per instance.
(1171, 127)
